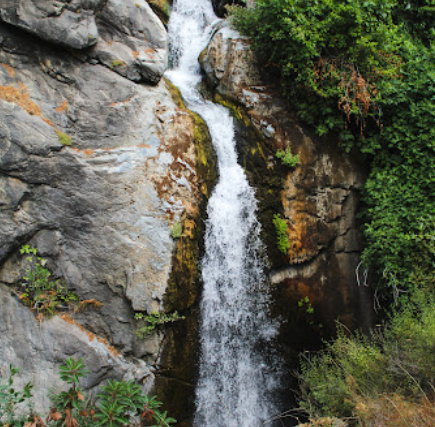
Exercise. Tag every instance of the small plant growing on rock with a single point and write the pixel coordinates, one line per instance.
(117, 63)
(153, 320)
(281, 233)
(121, 403)
(64, 139)
(40, 292)
(287, 158)
(10, 397)
(306, 305)
(70, 404)
(177, 230)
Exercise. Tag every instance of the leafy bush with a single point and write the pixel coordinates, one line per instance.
(287, 158)
(41, 293)
(354, 369)
(348, 366)
(281, 233)
(10, 397)
(119, 404)
(153, 320)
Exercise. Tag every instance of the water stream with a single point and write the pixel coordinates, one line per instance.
(236, 380)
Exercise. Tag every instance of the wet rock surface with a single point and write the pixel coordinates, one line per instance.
(318, 199)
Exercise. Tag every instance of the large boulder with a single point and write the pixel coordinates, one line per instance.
(133, 41)
(126, 35)
(70, 23)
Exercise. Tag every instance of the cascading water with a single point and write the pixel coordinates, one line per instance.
(236, 383)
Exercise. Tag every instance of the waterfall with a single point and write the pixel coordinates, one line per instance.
(236, 380)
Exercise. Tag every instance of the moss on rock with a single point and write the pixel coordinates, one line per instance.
(174, 384)
(264, 173)
(162, 8)
(175, 93)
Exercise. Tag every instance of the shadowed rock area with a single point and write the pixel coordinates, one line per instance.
(318, 199)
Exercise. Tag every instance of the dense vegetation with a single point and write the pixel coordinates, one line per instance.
(119, 403)
(365, 70)
(385, 380)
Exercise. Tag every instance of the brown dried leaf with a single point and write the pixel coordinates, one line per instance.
(70, 421)
(39, 422)
(54, 415)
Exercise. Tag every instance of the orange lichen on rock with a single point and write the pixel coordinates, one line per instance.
(151, 52)
(114, 104)
(297, 233)
(9, 69)
(62, 107)
(112, 350)
(89, 152)
(21, 98)
(135, 54)
(91, 302)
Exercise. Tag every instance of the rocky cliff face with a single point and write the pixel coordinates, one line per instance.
(318, 199)
(99, 160)
(95, 170)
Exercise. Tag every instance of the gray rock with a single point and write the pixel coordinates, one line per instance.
(70, 23)
(133, 41)
(38, 349)
(101, 209)
(229, 63)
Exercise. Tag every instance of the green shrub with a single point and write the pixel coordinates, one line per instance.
(347, 367)
(10, 397)
(153, 320)
(281, 233)
(410, 339)
(119, 403)
(287, 158)
(354, 368)
(41, 293)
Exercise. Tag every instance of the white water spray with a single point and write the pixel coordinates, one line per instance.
(236, 383)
